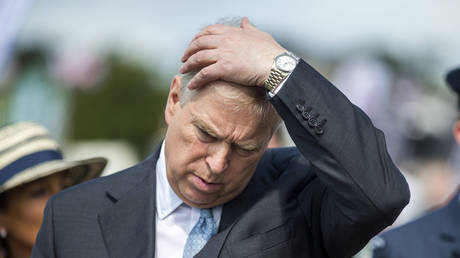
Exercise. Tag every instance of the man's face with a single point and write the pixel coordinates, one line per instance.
(211, 150)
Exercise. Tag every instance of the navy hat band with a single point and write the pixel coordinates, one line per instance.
(28, 162)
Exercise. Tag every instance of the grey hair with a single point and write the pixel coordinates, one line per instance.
(186, 78)
(253, 97)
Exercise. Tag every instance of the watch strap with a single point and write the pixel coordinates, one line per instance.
(277, 75)
(274, 79)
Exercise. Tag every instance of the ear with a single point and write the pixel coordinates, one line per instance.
(456, 132)
(173, 102)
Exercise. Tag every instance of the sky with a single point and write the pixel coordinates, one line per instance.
(157, 32)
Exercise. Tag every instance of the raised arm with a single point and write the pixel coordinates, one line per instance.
(365, 191)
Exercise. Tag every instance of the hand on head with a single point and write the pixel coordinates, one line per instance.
(241, 55)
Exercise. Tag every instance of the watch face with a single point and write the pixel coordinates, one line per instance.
(285, 63)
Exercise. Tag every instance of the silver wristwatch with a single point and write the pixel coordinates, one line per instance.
(282, 66)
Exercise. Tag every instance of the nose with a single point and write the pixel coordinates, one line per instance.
(56, 183)
(55, 187)
(218, 157)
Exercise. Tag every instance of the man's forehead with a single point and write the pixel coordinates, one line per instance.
(229, 92)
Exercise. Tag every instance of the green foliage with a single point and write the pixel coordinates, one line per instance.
(127, 105)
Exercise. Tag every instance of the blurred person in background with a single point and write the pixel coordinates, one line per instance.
(32, 169)
(435, 235)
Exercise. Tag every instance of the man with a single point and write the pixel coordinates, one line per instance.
(213, 190)
(434, 235)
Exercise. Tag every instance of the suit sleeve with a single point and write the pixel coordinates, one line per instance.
(365, 191)
(44, 244)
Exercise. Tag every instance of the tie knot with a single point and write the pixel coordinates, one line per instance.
(206, 213)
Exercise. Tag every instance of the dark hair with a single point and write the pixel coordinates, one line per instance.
(3, 207)
(3, 201)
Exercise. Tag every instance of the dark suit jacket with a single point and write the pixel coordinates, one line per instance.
(436, 235)
(327, 201)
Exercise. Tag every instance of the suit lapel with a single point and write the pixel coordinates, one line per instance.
(231, 212)
(214, 245)
(128, 227)
(236, 207)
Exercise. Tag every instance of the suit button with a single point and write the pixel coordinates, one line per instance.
(319, 130)
(313, 121)
(306, 113)
(300, 107)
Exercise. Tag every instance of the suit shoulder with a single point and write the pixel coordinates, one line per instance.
(282, 156)
(421, 225)
(409, 237)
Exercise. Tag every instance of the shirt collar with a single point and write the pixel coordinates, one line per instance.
(166, 199)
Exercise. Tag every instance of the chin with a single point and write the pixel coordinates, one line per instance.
(200, 203)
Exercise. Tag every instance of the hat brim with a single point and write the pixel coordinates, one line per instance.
(78, 171)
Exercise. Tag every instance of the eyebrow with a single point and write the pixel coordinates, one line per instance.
(249, 145)
(203, 126)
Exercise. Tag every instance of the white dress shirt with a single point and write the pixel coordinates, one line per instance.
(174, 219)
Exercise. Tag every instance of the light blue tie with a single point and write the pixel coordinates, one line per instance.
(203, 230)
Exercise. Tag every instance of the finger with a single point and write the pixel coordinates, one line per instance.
(205, 42)
(198, 60)
(246, 24)
(216, 29)
(208, 74)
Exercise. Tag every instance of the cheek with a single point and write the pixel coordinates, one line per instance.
(184, 152)
(188, 148)
(25, 221)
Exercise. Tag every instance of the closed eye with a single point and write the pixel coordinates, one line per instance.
(204, 136)
(245, 152)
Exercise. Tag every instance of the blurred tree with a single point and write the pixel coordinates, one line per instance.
(4, 100)
(127, 104)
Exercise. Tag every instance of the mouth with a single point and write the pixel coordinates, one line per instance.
(205, 186)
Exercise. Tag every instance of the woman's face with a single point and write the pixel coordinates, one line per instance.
(24, 208)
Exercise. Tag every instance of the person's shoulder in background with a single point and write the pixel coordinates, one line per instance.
(436, 234)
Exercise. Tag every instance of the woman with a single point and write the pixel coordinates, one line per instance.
(31, 171)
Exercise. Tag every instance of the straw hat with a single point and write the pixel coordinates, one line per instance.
(28, 153)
